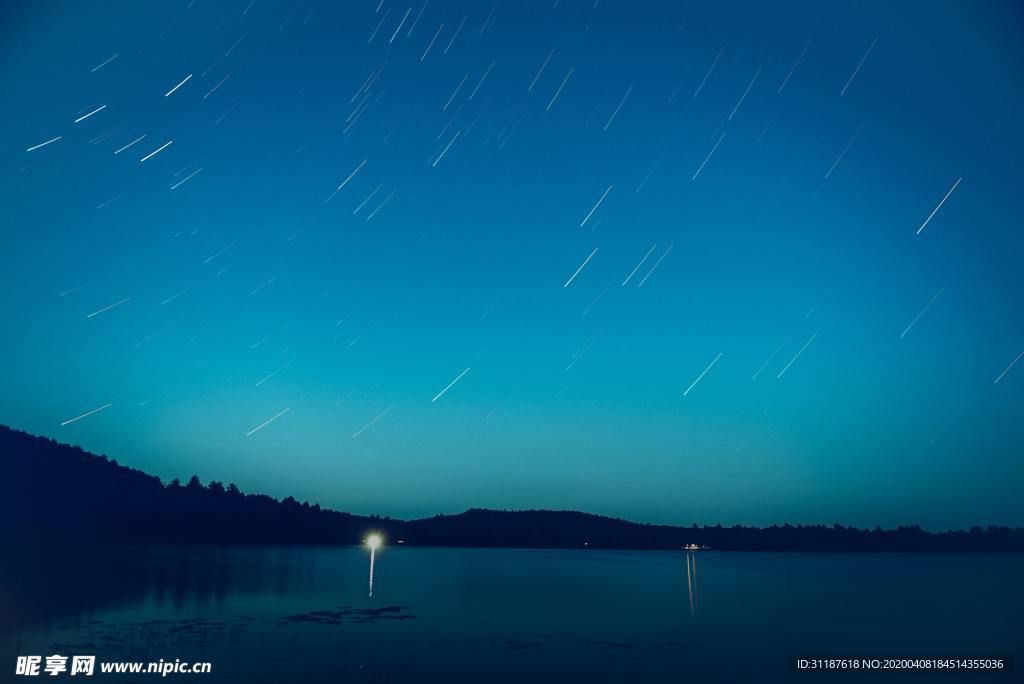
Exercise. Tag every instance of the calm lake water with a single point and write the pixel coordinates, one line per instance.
(507, 615)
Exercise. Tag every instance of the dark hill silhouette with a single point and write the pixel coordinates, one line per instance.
(52, 493)
(53, 490)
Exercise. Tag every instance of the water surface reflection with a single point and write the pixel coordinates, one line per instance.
(500, 615)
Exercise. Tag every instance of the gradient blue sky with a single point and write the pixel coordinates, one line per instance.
(575, 395)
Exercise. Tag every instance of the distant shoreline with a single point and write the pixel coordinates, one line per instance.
(581, 549)
(62, 494)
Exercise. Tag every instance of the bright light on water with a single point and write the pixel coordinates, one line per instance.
(373, 541)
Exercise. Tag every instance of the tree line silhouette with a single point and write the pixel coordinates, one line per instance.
(57, 494)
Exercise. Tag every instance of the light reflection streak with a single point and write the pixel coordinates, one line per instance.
(691, 581)
(372, 541)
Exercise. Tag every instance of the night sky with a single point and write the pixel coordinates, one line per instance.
(362, 202)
